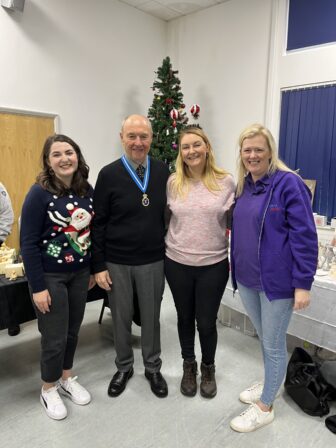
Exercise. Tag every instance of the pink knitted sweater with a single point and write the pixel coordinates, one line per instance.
(197, 227)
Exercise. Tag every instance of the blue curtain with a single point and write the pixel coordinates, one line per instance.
(308, 140)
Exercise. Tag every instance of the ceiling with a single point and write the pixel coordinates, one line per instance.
(171, 9)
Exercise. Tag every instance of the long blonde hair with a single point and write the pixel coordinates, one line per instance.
(274, 162)
(180, 181)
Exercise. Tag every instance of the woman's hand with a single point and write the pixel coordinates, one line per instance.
(301, 299)
(92, 282)
(42, 301)
(104, 280)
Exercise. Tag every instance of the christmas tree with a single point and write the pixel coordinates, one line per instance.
(167, 114)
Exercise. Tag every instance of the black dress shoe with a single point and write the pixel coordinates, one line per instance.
(14, 330)
(158, 384)
(118, 382)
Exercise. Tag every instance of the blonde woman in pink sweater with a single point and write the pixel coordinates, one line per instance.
(196, 265)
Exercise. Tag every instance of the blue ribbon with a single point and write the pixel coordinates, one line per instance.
(142, 185)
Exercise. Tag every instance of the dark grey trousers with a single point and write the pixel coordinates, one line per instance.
(60, 327)
(148, 281)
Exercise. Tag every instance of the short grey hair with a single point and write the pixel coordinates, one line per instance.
(139, 115)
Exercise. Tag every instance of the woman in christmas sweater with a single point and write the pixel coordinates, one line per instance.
(199, 196)
(55, 247)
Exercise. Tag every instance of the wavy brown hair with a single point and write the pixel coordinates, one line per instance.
(47, 179)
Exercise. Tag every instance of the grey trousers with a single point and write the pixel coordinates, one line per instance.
(148, 281)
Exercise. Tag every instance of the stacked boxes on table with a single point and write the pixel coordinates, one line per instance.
(7, 266)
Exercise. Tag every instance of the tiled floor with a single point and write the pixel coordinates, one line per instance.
(137, 419)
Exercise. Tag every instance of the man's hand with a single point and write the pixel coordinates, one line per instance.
(301, 299)
(104, 280)
(42, 301)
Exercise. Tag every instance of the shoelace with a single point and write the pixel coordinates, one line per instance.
(53, 394)
(254, 387)
(71, 382)
(206, 374)
(250, 410)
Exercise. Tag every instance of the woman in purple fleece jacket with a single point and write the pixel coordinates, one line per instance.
(273, 260)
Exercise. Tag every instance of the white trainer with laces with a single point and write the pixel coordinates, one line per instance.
(53, 403)
(253, 393)
(251, 419)
(72, 389)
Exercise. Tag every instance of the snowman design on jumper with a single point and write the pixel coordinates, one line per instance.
(75, 227)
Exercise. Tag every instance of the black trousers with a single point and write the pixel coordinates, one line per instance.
(197, 293)
(60, 327)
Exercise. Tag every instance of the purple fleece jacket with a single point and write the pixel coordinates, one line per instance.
(287, 249)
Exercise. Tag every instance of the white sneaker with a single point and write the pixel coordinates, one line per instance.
(251, 419)
(72, 389)
(253, 393)
(53, 403)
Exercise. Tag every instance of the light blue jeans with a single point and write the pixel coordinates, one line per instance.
(271, 320)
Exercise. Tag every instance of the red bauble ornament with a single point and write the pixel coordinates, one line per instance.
(174, 124)
(182, 105)
(169, 101)
(174, 114)
(195, 110)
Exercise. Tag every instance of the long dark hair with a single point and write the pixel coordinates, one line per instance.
(47, 179)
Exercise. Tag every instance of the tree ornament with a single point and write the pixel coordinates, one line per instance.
(174, 115)
(174, 146)
(195, 110)
(159, 114)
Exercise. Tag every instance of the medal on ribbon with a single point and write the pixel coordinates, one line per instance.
(142, 185)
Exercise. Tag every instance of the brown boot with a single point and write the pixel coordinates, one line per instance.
(188, 383)
(208, 381)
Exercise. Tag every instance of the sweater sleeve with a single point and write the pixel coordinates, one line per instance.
(33, 216)
(302, 232)
(101, 205)
(6, 214)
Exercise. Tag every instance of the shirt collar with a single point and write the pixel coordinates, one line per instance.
(260, 185)
(135, 165)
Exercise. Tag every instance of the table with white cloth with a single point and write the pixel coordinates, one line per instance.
(315, 324)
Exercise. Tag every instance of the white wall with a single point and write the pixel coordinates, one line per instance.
(91, 62)
(222, 57)
(308, 66)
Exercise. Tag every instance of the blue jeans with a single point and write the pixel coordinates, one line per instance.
(271, 320)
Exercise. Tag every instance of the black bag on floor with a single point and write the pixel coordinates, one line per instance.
(306, 385)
